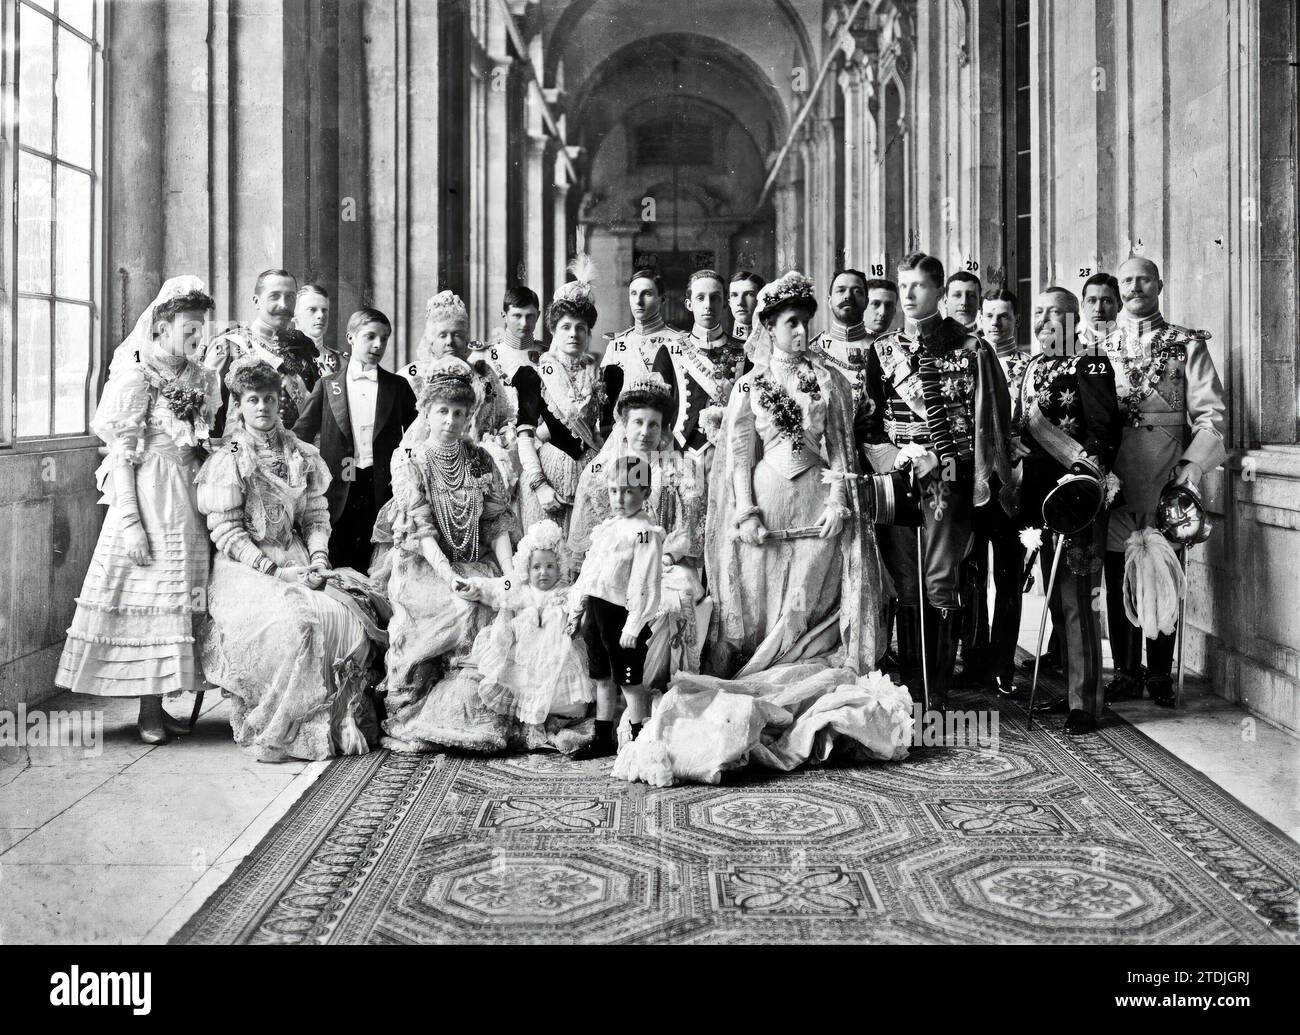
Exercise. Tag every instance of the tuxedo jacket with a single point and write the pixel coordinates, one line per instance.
(326, 415)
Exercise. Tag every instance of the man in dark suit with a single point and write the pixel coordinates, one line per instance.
(360, 413)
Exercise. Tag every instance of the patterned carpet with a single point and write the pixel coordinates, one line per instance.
(1102, 839)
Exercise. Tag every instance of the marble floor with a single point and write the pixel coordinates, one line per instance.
(123, 846)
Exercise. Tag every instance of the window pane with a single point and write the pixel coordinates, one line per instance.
(34, 210)
(76, 128)
(73, 239)
(80, 14)
(33, 380)
(71, 365)
(36, 78)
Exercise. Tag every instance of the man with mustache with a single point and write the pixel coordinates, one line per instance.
(1067, 421)
(940, 406)
(267, 335)
(642, 349)
(847, 344)
(1175, 423)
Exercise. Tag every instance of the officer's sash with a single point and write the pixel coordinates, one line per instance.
(557, 392)
(1055, 442)
(906, 383)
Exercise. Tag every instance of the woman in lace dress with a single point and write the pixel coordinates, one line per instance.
(449, 519)
(132, 634)
(785, 447)
(285, 643)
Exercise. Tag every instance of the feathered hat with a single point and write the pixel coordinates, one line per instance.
(792, 288)
(576, 297)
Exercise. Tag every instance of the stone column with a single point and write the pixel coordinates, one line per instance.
(537, 202)
(561, 223)
(495, 178)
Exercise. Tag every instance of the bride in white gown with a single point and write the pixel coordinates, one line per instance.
(797, 617)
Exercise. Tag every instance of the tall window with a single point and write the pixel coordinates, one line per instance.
(53, 265)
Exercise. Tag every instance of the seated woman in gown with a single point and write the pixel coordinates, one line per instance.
(449, 519)
(676, 503)
(783, 454)
(286, 642)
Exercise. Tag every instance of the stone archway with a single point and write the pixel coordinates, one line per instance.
(677, 129)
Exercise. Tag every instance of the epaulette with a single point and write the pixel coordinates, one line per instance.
(1190, 332)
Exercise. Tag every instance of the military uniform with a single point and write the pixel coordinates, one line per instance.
(705, 372)
(937, 386)
(632, 356)
(506, 355)
(298, 371)
(1172, 403)
(1067, 414)
(852, 357)
(989, 642)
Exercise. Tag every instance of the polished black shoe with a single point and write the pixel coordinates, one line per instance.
(1124, 686)
(1161, 689)
(1005, 685)
(1061, 706)
(1078, 723)
(603, 744)
(1048, 664)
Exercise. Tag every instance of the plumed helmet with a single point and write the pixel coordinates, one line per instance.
(1180, 515)
(1072, 503)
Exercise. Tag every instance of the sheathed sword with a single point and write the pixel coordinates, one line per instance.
(1042, 623)
(1182, 628)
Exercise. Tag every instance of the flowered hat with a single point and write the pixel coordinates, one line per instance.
(792, 288)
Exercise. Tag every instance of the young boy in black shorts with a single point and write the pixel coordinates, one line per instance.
(615, 598)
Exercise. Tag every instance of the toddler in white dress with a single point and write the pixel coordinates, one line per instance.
(531, 669)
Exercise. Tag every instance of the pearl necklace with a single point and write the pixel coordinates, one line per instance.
(457, 499)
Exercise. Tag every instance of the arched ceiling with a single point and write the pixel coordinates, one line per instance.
(677, 65)
(778, 39)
